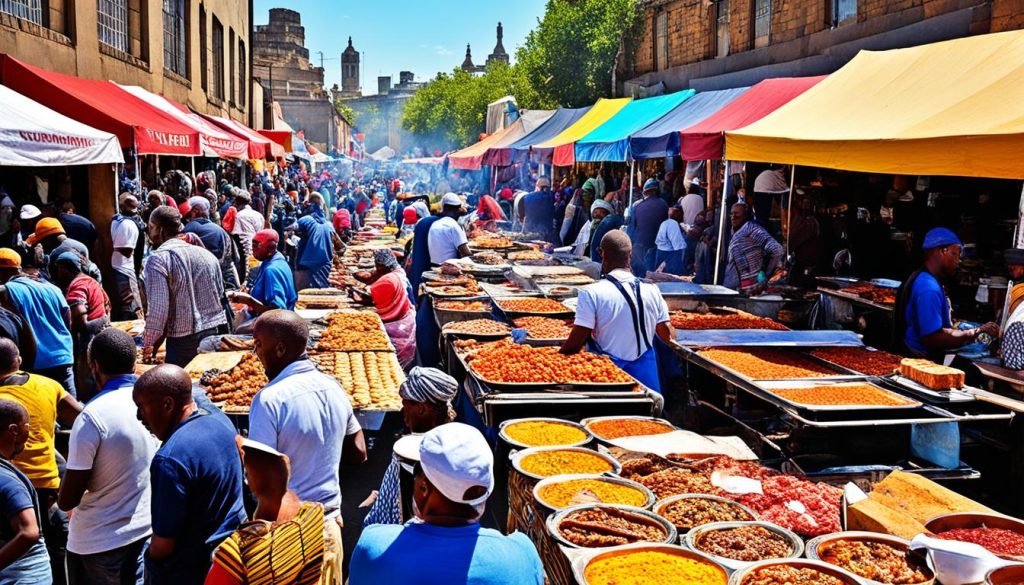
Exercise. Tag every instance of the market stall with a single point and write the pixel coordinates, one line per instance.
(560, 150)
(472, 157)
(506, 155)
(609, 142)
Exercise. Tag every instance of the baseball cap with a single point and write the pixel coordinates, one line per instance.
(455, 457)
(30, 212)
(70, 256)
(651, 184)
(184, 207)
(9, 258)
(451, 199)
(199, 202)
(265, 236)
(935, 238)
(46, 227)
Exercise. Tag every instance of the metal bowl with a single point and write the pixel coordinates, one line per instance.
(514, 443)
(555, 521)
(830, 570)
(689, 541)
(975, 520)
(1009, 575)
(518, 456)
(605, 478)
(816, 543)
(660, 505)
(587, 422)
(579, 567)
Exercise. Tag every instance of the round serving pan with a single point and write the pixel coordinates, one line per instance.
(517, 444)
(579, 566)
(587, 421)
(830, 570)
(1008, 575)
(816, 543)
(599, 477)
(518, 457)
(974, 520)
(660, 505)
(690, 539)
(555, 521)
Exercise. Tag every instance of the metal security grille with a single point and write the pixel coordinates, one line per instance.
(722, 30)
(217, 74)
(762, 22)
(175, 57)
(112, 16)
(843, 11)
(661, 42)
(242, 74)
(30, 10)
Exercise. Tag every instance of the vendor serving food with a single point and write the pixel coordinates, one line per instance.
(608, 310)
(273, 286)
(389, 293)
(922, 309)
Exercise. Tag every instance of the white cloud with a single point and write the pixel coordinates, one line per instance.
(441, 50)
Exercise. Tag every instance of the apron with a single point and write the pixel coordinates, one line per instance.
(645, 367)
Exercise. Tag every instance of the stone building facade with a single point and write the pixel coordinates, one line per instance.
(714, 44)
(497, 55)
(379, 117)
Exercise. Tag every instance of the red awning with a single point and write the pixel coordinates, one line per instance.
(213, 141)
(260, 147)
(705, 140)
(102, 105)
(282, 137)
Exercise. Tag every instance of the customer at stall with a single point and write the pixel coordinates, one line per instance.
(923, 311)
(315, 254)
(671, 244)
(427, 395)
(306, 415)
(1012, 342)
(107, 477)
(754, 255)
(769, 184)
(446, 239)
(126, 243)
(804, 241)
(389, 293)
(453, 480)
(644, 220)
(195, 477)
(90, 313)
(539, 211)
(605, 220)
(607, 310)
(214, 238)
(26, 561)
(184, 291)
(247, 222)
(273, 286)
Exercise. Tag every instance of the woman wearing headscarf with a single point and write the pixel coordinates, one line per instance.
(427, 395)
(1012, 342)
(389, 293)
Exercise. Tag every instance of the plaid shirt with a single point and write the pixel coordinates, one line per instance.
(185, 289)
(748, 249)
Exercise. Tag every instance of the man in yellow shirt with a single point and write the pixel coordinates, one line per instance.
(46, 403)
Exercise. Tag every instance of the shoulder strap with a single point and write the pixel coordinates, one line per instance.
(639, 322)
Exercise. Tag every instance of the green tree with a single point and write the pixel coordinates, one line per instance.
(569, 58)
(347, 113)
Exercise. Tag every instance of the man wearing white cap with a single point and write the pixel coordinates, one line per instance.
(539, 210)
(446, 239)
(445, 544)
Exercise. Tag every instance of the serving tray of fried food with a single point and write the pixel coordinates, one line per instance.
(370, 378)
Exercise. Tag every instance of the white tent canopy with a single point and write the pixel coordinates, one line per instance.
(383, 153)
(32, 135)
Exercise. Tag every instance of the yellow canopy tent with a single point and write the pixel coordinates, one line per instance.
(562, 148)
(949, 108)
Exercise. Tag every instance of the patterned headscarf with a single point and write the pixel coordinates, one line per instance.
(428, 385)
(384, 257)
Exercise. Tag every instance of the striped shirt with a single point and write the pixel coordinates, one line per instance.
(752, 250)
(290, 552)
(184, 288)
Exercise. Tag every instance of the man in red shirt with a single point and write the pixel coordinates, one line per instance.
(90, 313)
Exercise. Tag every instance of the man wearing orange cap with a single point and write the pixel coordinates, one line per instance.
(273, 287)
(50, 236)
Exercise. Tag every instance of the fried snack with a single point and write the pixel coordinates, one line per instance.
(492, 242)
(676, 482)
(526, 256)
(488, 258)
(931, 375)
(350, 331)
(506, 362)
(571, 492)
(608, 526)
(532, 306)
(477, 327)
(767, 364)
(782, 574)
(870, 559)
(544, 433)
(371, 379)
(627, 427)
(738, 320)
(874, 293)
(744, 543)
(858, 359)
(842, 395)
(544, 327)
(653, 568)
(476, 306)
(237, 386)
(559, 462)
(689, 513)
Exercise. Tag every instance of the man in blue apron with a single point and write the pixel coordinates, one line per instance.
(619, 316)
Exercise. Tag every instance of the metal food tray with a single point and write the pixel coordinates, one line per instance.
(839, 293)
(553, 387)
(586, 421)
(580, 564)
(691, 289)
(498, 291)
(842, 374)
(513, 315)
(804, 383)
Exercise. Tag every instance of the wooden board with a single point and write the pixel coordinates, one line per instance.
(221, 360)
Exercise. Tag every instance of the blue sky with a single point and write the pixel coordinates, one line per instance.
(422, 36)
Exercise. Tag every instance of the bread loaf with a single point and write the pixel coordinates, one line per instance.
(921, 498)
(871, 516)
(931, 375)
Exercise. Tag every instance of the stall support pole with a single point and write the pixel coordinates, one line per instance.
(789, 208)
(138, 172)
(192, 160)
(158, 166)
(721, 226)
(629, 206)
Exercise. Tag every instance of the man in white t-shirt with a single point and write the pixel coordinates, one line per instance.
(620, 315)
(446, 239)
(306, 415)
(248, 221)
(107, 479)
(692, 203)
(124, 239)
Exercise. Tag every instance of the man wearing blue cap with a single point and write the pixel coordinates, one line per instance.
(922, 309)
(644, 220)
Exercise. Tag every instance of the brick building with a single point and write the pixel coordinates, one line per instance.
(715, 44)
(379, 117)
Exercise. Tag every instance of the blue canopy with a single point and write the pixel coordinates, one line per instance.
(610, 141)
(517, 151)
(661, 139)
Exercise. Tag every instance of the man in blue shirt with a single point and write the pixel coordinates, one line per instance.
(924, 307)
(644, 220)
(273, 286)
(539, 211)
(453, 479)
(316, 248)
(20, 516)
(196, 477)
(214, 238)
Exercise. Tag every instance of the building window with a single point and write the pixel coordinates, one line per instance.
(843, 11)
(661, 41)
(722, 29)
(204, 58)
(231, 65)
(112, 16)
(242, 74)
(217, 83)
(762, 22)
(175, 55)
(30, 10)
